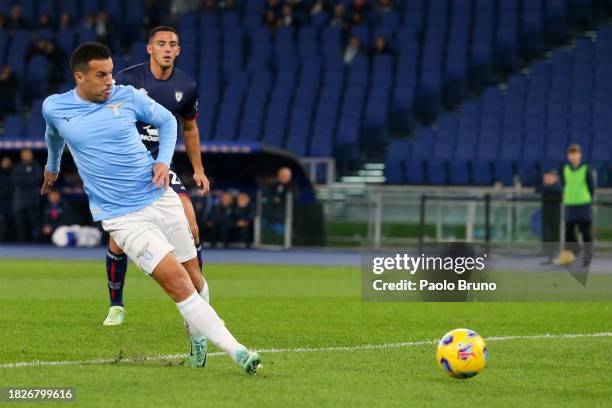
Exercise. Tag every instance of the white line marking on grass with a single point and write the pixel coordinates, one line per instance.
(382, 346)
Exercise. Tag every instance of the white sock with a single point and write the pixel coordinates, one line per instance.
(203, 321)
(204, 293)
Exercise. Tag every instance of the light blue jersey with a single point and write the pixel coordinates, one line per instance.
(115, 166)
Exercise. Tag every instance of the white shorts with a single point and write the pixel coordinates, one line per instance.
(147, 235)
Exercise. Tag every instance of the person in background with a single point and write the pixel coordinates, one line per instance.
(65, 21)
(270, 20)
(283, 186)
(318, 6)
(381, 46)
(6, 198)
(551, 214)
(273, 6)
(26, 177)
(9, 88)
(287, 19)
(352, 49)
(244, 216)
(385, 6)
(15, 20)
(578, 193)
(227, 5)
(221, 220)
(104, 29)
(339, 19)
(208, 6)
(44, 22)
(57, 213)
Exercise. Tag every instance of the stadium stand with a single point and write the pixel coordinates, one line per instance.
(523, 130)
(288, 86)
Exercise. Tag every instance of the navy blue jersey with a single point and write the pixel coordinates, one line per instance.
(179, 94)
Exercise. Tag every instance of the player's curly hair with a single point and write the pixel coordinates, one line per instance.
(79, 60)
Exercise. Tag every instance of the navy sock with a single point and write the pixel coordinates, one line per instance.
(116, 267)
(199, 254)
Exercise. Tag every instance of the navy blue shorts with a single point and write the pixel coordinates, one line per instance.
(175, 182)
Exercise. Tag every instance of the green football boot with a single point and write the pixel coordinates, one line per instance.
(116, 316)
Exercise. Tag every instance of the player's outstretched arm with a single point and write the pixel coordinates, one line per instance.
(191, 134)
(55, 148)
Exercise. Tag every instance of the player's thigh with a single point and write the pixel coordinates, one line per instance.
(173, 278)
(175, 226)
(140, 237)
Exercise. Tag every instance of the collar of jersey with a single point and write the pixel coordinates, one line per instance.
(150, 73)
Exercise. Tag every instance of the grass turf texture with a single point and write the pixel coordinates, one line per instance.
(52, 311)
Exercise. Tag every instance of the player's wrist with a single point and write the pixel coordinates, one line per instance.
(162, 162)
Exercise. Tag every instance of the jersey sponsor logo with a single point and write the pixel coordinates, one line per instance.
(178, 95)
(149, 138)
(143, 91)
(152, 134)
(115, 107)
(151, 131)
(67, 118)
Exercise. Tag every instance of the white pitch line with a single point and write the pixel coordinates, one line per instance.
(382, 346)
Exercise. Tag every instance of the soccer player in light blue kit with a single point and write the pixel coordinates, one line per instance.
(128, 190)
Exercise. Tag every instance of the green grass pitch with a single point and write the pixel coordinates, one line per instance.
(53, 310)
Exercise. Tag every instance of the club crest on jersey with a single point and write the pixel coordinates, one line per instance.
(115, 107)
(178, 95)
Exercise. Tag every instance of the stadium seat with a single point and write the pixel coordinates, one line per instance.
(458, 172)
(481, 171)
(436, 172)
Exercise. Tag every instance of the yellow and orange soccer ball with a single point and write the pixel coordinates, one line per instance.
(462, 353)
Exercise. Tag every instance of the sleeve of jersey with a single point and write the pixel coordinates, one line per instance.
(55, 143)
(149, 111)
(190, 112)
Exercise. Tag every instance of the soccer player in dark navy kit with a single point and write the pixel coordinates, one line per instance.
(177, 92)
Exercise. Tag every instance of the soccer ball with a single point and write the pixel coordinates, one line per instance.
(462, 353)
(566, 257)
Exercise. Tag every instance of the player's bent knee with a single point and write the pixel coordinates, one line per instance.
(173, 278)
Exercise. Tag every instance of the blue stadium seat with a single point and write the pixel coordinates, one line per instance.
(458, 172)
(436, 172)
(503, 172)
(414, 172)
(66, 39)
(13, 127)
(482, 174)
(394, 171)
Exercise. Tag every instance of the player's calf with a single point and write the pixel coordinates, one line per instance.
(202, 319)
(116, 269)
